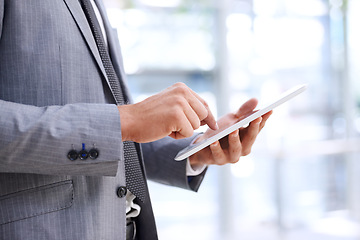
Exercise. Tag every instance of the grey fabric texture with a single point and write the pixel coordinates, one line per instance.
(54, 97)
(135, 181)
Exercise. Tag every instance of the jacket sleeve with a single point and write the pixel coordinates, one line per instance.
(161, 167)
(38, 139)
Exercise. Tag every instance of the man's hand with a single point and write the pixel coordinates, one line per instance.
(238, 143)
(176, 112)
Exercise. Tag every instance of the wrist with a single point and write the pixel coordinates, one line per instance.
(126, 120)
(194, 170)
(194, 160)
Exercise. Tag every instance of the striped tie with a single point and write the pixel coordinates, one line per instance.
(135, 180)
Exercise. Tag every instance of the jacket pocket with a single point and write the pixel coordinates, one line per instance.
(36, 201)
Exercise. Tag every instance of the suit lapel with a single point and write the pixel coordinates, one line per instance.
(81, 21)
(114, 49)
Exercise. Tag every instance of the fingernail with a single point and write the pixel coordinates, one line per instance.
(215, 144)
(235, 133)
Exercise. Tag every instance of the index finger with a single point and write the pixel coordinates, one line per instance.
(210, 119)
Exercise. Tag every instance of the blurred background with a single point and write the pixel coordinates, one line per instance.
(302, 179)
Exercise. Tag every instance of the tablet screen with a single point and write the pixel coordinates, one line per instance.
(220, 133)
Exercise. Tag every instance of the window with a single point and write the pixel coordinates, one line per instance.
(301, 179)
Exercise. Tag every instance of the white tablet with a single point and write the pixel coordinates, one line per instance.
(286, 96)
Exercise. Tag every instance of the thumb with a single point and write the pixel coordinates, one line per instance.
(247, 107)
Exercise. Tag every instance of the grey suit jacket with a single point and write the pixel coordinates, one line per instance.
(54, 97)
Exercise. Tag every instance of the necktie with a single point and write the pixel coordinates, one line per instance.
(135, 181)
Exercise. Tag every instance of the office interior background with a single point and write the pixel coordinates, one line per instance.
(302, 179)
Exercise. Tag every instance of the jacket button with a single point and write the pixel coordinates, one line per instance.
(72, 155)
(93, 153)
(83, 154)
(121, 192)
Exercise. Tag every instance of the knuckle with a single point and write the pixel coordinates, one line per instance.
(178, 84)
(205, 104)
(203, 114)
(181, 88)
(246, 152)
(235, 141)
(179, 101)
(176, 116)
(235, 151)
(196, 124)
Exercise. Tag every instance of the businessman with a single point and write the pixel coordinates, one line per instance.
(75, 151)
